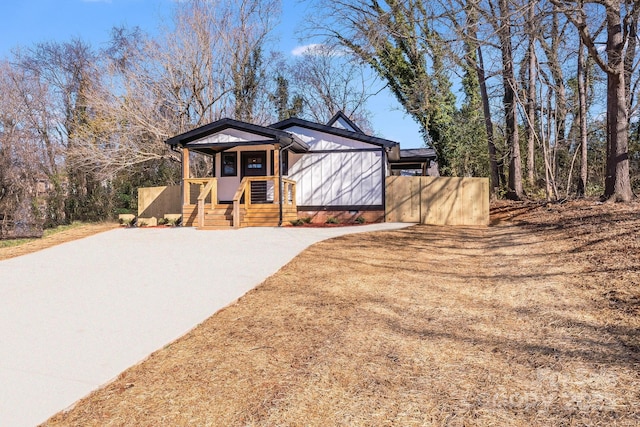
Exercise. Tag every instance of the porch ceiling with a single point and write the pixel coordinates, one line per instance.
(217, 147)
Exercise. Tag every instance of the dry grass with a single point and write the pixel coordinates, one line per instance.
(533, 321)
(52, 238)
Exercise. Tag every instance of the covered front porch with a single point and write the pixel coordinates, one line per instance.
(257, 202)
(247, 186)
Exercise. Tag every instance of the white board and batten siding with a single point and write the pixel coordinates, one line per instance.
(332, 174)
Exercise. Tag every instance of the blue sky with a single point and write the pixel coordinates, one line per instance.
(31, 21)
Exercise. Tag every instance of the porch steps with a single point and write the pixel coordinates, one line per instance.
(256, 215)
(219, 218)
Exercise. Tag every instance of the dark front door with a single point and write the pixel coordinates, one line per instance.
(254, 163)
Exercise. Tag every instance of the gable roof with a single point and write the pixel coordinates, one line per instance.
(271, 135)
(358, 136)
(342, 119)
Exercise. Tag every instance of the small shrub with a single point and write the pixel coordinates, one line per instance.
(141, 224)
(173, 222)
(332, 220)
(163, 221)
(127, 222)
(361, 220)
(306, 220)
(297, 222)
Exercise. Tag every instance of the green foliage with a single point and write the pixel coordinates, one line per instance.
(332, 220)
(285, 107)
(49, 232)
(127, 222)
(360, 220)
(410, 57)
(173, 222)
(468, 152)
(298, 222)
(247, 79)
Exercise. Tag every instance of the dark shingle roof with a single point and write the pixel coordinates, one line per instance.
(358, 136)
(270, 134)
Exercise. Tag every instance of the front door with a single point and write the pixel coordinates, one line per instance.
(254, 163)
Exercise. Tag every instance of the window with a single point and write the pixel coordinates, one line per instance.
(254, 162)
(229, 164)
(285, 162)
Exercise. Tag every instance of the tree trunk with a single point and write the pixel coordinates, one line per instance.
(514, 190)
(582, 116)
(617, 180)
(531, 100)
(493, 163)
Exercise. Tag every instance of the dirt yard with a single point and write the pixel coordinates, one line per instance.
(532, 321)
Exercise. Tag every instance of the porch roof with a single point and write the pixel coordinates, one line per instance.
(266, 135)
(413, 158)
(416, 155)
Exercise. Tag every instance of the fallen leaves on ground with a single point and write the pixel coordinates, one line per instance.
(532, 321)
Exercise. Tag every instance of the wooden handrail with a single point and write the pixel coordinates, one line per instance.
(205, 191)
(236, 201)
(212, 188)
(289, 187)
(240, 190)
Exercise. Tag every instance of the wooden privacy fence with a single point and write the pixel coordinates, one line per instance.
(158, 201)
(437, 200)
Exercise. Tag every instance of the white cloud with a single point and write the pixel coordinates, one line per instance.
(320, 49)
(308, 49)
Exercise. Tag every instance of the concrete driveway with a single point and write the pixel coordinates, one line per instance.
(74, 316)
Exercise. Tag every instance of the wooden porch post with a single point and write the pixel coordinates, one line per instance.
(185, 163)
(185, 175)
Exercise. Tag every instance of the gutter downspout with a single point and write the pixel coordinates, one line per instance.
(280, 183)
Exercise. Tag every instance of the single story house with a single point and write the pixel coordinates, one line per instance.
(267, 175)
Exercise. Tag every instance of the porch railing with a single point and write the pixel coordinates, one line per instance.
(207, 191)
(261, 190)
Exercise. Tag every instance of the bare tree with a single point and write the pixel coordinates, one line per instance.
(207, 66)
(531, 103)
(621, 22)
(466, 27)
(503, 29)
(63, 72)
(24, 156)
(329, 80)
(582, 117)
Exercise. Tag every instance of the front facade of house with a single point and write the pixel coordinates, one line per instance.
(267, 175)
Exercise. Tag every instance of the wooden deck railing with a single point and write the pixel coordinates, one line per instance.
(289, 191)
(249, 193)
